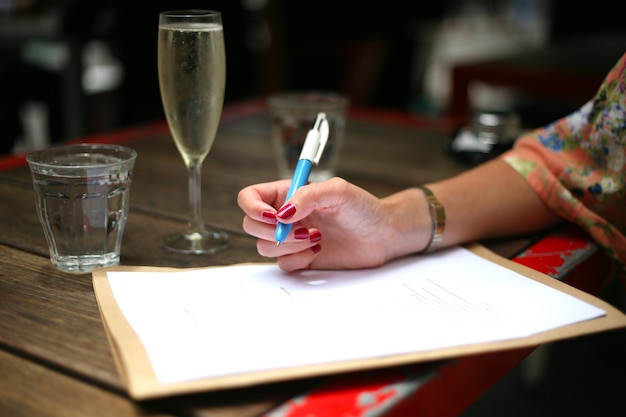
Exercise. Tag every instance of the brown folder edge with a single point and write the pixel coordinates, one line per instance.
(136, 371)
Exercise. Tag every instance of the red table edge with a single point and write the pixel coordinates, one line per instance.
(247, 108)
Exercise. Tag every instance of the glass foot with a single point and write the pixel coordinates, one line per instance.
(198, 243)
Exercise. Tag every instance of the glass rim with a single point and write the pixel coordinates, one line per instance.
(124, 153)
(304, 99)
(181, 13)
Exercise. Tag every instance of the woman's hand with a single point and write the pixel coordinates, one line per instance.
(336, 225)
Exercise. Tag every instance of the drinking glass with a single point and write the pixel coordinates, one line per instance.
(192, 79)
(82, 195)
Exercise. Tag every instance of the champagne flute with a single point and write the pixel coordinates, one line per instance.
(192, 79)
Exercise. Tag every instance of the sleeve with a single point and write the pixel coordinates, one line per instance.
(577, 165)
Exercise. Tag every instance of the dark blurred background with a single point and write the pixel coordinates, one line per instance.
(69, 68)
(74, 67)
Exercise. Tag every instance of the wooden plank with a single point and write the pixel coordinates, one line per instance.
(59, 396)
(29, 389)
(53, 316)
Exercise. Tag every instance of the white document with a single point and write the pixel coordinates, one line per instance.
(236, 319)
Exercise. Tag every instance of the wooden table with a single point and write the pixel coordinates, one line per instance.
(54, 354)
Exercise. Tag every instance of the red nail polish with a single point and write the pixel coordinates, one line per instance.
(315, 236)
(301, 233)
(269, 216)
(316, 248)
(286, 211)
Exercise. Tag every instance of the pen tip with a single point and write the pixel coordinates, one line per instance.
(277, 243)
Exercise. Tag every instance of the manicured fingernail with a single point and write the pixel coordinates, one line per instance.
(286, 211)
(269, 216)
(301, 233)
(316, 248)
(315, 236)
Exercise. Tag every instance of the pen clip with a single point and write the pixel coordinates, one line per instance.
(316, 139)
(321, 125)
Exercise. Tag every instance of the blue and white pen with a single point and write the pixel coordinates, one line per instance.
(311, 153)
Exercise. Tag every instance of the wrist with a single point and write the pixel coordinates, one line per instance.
(409, 223)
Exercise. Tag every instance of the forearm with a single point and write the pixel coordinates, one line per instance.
(490, 201)
(408, 224)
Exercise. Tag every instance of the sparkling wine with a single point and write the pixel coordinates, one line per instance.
(192, 78)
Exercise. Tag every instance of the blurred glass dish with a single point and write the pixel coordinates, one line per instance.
(489, 134)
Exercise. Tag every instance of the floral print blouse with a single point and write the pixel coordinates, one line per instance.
(577, 164)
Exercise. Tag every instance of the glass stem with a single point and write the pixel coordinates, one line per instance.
(195, 199)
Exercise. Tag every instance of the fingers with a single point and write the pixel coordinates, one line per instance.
(291, 256)
(261, 228)
(260, 199)
(267, 232)
(300, 260)
(298, 250)
(264, 205)
(314, 196)
(272, 250)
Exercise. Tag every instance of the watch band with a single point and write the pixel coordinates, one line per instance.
(437, 218)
